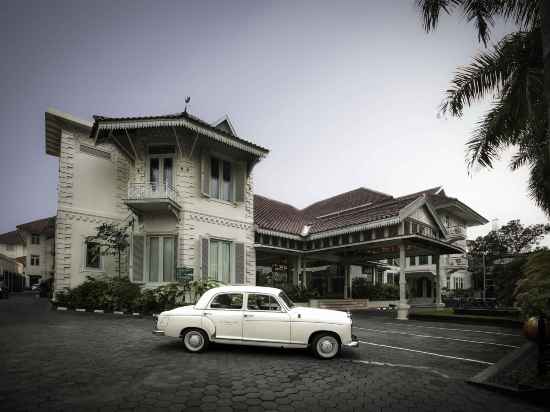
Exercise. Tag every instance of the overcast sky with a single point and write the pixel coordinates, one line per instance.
(344, 94)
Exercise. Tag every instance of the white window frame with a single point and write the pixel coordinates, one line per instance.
(161, 164)
(85, 268)
(35, 262)
(221, 159)
(35, 239)
(231, 258)
(146, 273)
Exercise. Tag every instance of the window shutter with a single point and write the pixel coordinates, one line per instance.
(240, 181)
(205, 173)
(204, 243)
(239, 263)
(138, 247)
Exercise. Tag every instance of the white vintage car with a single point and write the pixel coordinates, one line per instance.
(253, 315)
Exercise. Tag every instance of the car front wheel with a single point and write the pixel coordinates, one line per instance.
(195, 340)
(325, 346)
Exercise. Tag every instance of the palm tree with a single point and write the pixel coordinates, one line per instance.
(513, 72)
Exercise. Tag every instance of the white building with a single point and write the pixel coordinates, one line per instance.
(184, 187)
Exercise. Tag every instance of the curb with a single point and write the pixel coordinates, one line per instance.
(100, 311)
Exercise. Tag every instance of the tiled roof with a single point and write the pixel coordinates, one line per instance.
(355, 207)
(11, 238)
(42, 226)
(175, 116)
(347, 200)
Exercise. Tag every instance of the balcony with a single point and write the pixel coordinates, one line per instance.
(457, 263)
(456, 233)
(152, 197)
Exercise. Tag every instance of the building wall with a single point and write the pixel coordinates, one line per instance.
(12, 251)
(90, 192)
(44, 250)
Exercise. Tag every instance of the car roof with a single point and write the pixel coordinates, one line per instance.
(205, 298)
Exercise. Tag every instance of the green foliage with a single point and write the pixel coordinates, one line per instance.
(512, 73)
(299, 293)
(120, 294)
(361, 289)
(533, 289)
(198, 287)
(506, 278)
(111, 239)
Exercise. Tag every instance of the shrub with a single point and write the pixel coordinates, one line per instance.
(361, 289)
(299, 293)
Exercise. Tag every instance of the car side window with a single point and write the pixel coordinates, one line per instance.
(227, 301)
(262, 302)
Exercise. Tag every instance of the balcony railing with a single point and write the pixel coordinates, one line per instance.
(457, 232)
(152, 191)
(458, 262)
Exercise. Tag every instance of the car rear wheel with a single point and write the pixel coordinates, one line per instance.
(325, 346)
(195, 340)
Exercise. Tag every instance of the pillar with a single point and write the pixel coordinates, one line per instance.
(297, 270)
(346, 281)
(438, 280)
(402, 307)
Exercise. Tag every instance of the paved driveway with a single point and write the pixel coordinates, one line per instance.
(79, 361)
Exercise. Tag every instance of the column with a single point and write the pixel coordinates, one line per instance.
(402, 307)
(346, 281)
(438, 280)
(297, 270)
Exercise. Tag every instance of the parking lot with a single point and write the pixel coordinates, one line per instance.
(82, 361)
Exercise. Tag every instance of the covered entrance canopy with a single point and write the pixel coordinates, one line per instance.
(367, 227)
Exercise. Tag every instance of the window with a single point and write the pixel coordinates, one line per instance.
(412, 261)
(35, 260)
(227, 301)
(289, 303)
(161, 258)
(35, 239)
(93, 256)
(414, 227)
(262, 302)
(423, 260)
(458, 283)
(221, 179)
(219, 260)
(379, 277)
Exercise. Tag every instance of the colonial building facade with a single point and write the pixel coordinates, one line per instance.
(184, 188)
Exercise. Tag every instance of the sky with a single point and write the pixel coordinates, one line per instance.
(344, 94)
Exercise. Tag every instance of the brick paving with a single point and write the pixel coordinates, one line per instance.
(81, 361)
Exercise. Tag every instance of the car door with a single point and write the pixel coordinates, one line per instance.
(264, 320)
(225, 311)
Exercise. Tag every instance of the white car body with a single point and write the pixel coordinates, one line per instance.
(289, 327)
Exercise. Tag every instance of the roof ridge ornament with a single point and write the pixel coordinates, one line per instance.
(187, 100)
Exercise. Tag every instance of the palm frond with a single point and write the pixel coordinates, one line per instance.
(526, 14)
(482, 13)
(539, 183)
(489, 71)
(431, 9)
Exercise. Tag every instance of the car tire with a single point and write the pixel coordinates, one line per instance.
(195, 340)
(325, 346)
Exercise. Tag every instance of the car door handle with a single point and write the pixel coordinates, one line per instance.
(248, 316)
(207, 313)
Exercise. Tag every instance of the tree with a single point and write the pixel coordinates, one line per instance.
(515, 72)
(111, 239)
(533, 290)
(511, 241)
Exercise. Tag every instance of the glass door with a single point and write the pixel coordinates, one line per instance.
(160, 174)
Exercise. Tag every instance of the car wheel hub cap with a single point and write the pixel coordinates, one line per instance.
(195, 341)
(326, 346)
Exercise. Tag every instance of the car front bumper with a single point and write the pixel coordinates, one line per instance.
(353, 343)
(157, 332)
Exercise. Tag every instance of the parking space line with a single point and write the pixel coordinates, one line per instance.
(426, 353)
(461, 330)
(439, 337)
(400, 365)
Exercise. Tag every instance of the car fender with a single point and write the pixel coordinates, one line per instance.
(208, 327)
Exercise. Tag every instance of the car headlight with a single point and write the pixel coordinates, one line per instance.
(162, 322)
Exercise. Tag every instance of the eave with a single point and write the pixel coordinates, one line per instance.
(55, 122)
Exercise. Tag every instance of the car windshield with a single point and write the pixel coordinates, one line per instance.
(288, 302)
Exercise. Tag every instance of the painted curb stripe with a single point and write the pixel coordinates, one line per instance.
(517, 335)
(427, 353)
(440, 337)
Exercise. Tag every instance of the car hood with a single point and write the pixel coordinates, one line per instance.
(319, 315)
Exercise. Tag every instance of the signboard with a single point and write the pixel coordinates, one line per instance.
(184, 274)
